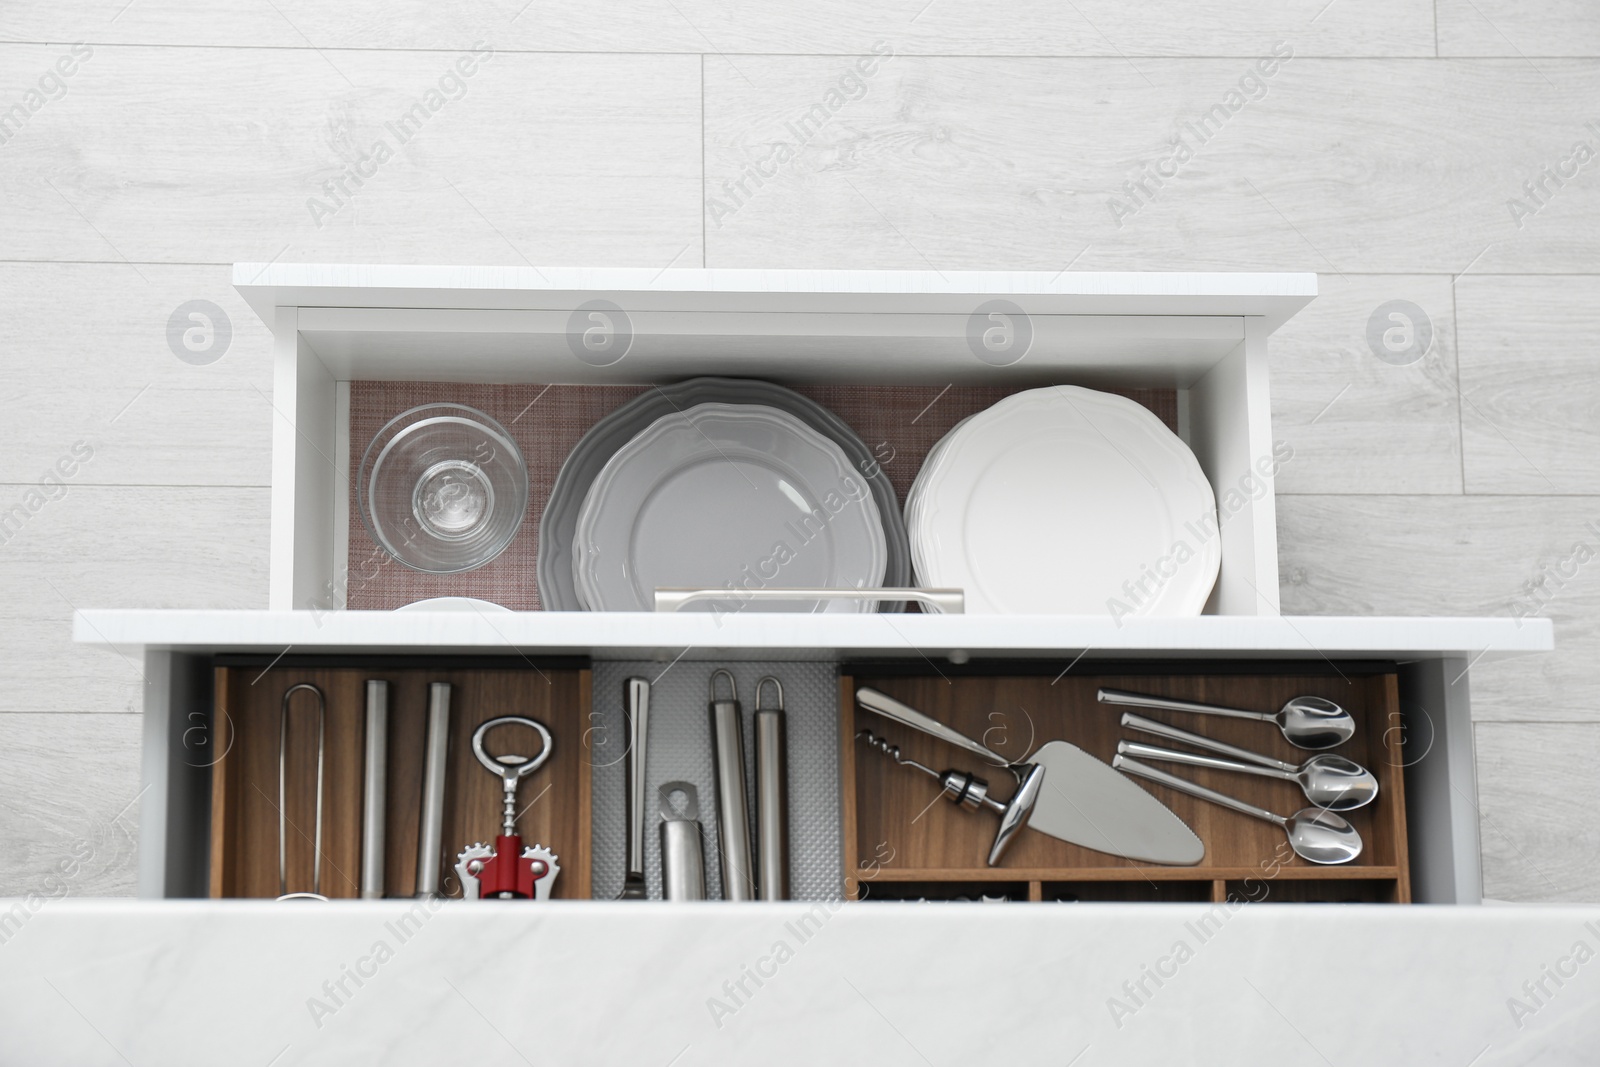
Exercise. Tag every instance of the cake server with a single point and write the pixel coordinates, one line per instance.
(1066, 793)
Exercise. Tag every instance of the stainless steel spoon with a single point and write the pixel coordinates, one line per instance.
(1328, 781)
(1306, 722)
(1316, 834)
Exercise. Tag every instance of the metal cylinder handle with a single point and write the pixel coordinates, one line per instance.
(733, 686)
(508, 767)
(761, 685)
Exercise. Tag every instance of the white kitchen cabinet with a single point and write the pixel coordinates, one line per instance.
(1203, 335)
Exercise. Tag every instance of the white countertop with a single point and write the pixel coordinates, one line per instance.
(247, 982)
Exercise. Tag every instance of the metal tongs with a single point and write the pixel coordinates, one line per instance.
(283, 806)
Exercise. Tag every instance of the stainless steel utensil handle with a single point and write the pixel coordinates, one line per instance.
(1173, 733)
(430, 834)
(683, 862)
(890, 708)
(942, 601)
(375, 790)
(772, 814)
(1183, 785)
(638, 705)
(1139, 700)
(733, 805)
(1196, 759)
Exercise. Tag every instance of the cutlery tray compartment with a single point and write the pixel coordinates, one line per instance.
(240, 745)
(899, 830)
(899, 423)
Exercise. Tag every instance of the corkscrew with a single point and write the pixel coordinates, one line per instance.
(962, 789)
(971, 792)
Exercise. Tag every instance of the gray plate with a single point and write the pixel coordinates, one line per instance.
(560, 521)
(706, 498)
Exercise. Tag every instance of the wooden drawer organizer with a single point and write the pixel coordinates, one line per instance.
(902, 842)
(555, 801)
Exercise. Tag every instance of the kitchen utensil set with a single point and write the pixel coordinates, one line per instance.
(1064, 792)
(753, 852)
(1331, 783)
(1067, 794)
(506, 871)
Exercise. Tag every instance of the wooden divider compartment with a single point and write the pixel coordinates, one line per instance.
(898, 829)
(554, 802)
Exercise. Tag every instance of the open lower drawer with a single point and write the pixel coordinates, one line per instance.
(861, 827)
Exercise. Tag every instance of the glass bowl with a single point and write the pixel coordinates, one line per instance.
(442, 488)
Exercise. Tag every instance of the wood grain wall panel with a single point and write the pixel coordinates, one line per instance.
(958, 27)
(58, 836)
(1530, 378)
(1339, 167)
(1537, 792)
(1519, 28)
(90, 361)
(1357, 422)
(216, 155)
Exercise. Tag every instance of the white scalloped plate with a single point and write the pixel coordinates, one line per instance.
(1066, 500)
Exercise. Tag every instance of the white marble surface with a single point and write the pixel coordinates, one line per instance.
(240, 983)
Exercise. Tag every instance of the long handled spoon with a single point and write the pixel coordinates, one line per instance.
(1315, 834)
(1328, 781)
(1306, 722)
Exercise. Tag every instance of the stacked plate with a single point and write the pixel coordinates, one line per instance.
(719, 483)
(1066, 501)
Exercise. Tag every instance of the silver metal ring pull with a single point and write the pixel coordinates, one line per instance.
(283, 806)
(511, 769)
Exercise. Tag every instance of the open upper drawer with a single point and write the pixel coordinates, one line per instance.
(1200, 336)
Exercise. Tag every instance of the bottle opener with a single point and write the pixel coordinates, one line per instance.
(508, 871)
